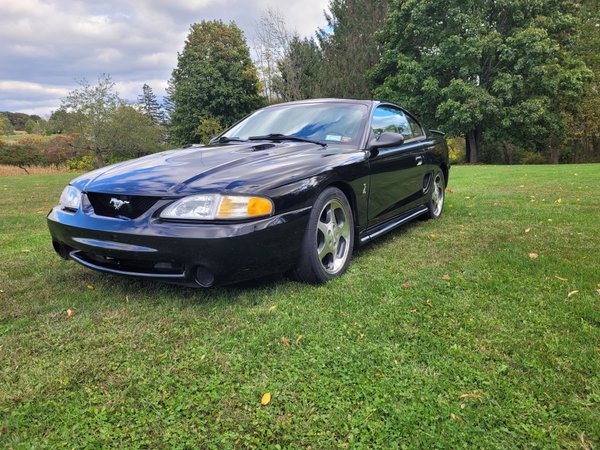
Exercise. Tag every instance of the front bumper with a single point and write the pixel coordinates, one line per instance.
(200, 254)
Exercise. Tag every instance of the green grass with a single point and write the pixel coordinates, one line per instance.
(142, 364)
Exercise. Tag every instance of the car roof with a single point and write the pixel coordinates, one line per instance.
(328, 100)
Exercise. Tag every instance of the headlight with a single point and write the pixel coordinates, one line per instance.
(220, 207)
(70, 198)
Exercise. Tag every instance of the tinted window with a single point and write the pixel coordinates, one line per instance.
(387, 118)
(417, 131)
(327, 122)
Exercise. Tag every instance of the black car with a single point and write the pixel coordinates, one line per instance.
(294, 186)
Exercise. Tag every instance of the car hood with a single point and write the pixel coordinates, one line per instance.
(241, 167)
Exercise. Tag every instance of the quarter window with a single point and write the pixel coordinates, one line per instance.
(390, 119)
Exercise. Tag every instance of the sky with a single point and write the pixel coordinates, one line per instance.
(47, 46)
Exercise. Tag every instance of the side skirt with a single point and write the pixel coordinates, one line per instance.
(378, 230)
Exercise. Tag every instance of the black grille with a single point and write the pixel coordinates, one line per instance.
(116, 205)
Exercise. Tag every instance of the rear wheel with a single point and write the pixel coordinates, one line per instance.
(438, 189)
(329, 239)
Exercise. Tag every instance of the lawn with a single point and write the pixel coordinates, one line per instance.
(481, 329)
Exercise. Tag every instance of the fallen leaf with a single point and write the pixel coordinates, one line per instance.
(572, 293)
(455, 417)
(25, 250)
(561, 278)
(361, 336)
(428, 303)
(469, 395)
(272, 308)
(433, 236)
(468, 198)
(462, 406)
(285, 341)
(70, 313)
(527, 230)
(598, 285)
(405, 285)
(298, 339)
(414, 310)
(597, 291)
(266, 399)
(449, 191)
(549, 220)
(445, 277)
(558, 201)
(522, 186)
(90, 286)
(533, 255)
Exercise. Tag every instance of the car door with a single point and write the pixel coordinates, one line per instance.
(397, 173)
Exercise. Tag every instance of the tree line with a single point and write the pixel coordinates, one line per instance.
(509, 82)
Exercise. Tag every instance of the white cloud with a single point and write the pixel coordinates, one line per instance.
(52, 43)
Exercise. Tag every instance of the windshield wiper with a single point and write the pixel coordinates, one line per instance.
(225, 140)
(284, 137)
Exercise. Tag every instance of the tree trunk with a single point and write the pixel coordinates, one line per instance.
(507, 152)
(473, 139)
(99, 157)
(554, 154)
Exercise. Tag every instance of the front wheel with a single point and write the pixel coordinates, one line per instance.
(328, 240)
(438, 188)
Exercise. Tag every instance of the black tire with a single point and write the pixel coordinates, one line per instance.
(438, 187)
(329, 239)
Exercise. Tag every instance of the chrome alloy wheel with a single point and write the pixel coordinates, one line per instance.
(333, 236)
(437, 196)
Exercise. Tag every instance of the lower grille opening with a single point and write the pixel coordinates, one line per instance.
(133, 266)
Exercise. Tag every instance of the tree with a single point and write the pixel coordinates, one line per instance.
(90, 111)
(29, 126)
(214, 79)
(349, 46)
(132, 134)
(150, 106)
(5, 125)
(299, 71)
(270, 46)
(208, 129)
(471, 67)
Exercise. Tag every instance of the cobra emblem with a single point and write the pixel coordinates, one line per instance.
(117, 204)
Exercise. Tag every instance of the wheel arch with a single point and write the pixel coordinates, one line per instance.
(348, 191)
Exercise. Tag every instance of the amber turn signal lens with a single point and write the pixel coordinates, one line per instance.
(238, 207)
(259, 206)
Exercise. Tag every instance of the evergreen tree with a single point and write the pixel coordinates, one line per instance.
(150, 106)
(214, 79)
(473, 67)
(349, 46)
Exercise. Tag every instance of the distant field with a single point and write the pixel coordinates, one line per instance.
(479, 330)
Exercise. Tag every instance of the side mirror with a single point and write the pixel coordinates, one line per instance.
(387, 139)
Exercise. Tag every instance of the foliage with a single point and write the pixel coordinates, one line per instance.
(38, 150)
(214, 78)
(132, 133)
(349, 47)
(5, 125)
(300, 71)
(495, 355)
(208, 129)
(149, 105)
(471, 68)
(104, 125)
(19, 120)
(90, 114)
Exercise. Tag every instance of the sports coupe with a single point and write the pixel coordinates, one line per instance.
(294, 187)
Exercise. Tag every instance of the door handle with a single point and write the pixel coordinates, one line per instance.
(419, 160)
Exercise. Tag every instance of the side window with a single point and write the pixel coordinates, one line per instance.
(388, 118)
(417, 131)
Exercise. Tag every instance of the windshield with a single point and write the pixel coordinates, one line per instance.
(339, 123)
